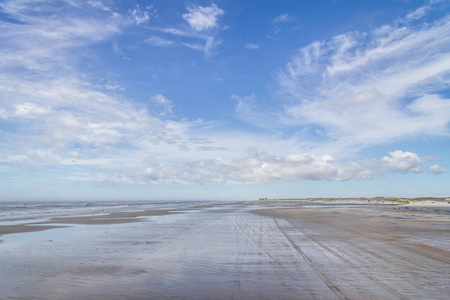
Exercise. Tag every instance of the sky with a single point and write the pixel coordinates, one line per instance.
(223, 100)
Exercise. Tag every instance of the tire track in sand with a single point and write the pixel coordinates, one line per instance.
(311, 264)
(389, 289)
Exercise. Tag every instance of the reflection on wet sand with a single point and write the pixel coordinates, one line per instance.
(253, 250)
(112, 218)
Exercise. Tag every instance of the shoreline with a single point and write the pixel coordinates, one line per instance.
(106, 219)
(425, 201)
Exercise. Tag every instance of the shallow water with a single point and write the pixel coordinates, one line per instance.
(19, 211)
(227, 251)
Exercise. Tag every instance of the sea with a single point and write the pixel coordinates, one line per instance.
(14, 211)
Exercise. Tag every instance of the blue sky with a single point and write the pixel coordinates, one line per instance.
(224, 99)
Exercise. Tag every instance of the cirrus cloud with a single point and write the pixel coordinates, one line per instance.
(361, 89)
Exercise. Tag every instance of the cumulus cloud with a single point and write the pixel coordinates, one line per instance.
(203, 18)
(256, 167)
(403, 162)
(437, 169)
(260, 166)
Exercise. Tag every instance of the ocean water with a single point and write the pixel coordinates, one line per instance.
(20, 211)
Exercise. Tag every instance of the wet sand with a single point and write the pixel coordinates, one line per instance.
(112, 218)
(253, 250)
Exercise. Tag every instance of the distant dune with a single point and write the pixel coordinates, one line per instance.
(423, 201)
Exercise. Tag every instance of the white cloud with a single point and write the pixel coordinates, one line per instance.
(363, 89)
(165, 104)
(67, 116)
(44, 44)
(174, 31)
(159, 42)
(202, 38)
(418, 13)
(27, 108)
(256, 167)
(404, 162)
(437, 169)
(283, 18)
(207, 48)
(49, 106)
(141, 15)
(264, 167)
(246, 111)
(195, 46)
(252, 46)
(86, 130)
(3, 114)
(203, 18)
(99, 5)
(279, 22)
(116, 49)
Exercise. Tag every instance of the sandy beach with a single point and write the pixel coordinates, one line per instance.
(240, 250)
